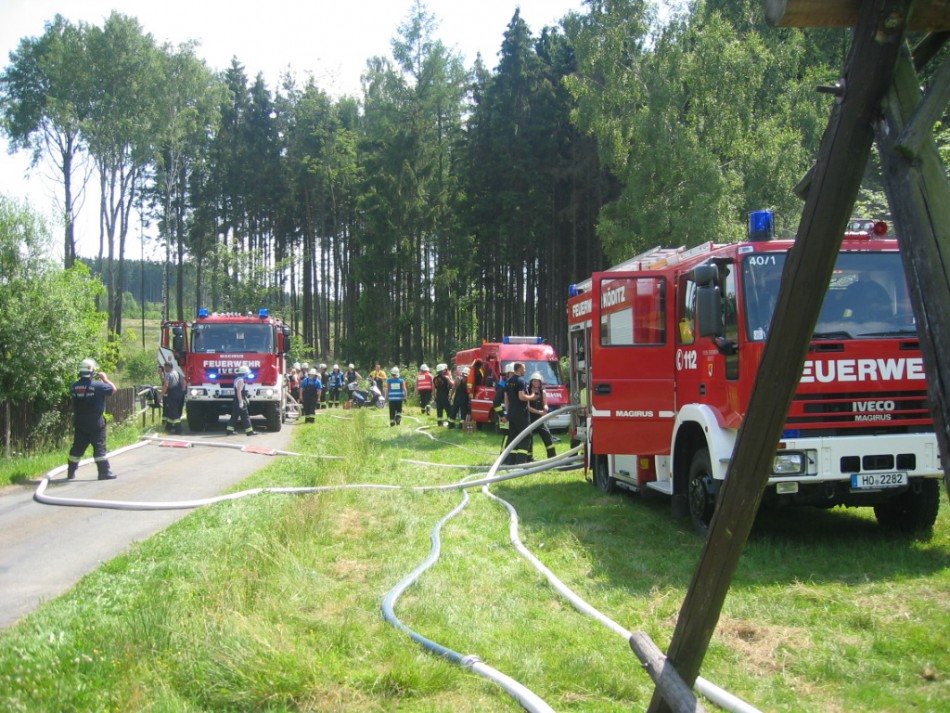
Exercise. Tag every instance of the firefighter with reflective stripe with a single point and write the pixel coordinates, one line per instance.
(442, 385)
(239, 407)
(173, 398)
(310, 389)
(499, 404)
(89, 424)
(518, 416)
(395, 395)
(539, 408)
(352, 378)
(334, 386)
(424, 388)
(461, 400)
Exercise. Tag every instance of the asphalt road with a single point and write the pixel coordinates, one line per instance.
(45, 549)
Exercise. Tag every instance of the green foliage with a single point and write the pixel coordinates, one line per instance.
(48, 316)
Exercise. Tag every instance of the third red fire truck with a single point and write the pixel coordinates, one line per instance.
(662, 405)
(486, 362)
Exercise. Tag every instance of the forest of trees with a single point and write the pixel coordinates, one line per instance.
(446, 203)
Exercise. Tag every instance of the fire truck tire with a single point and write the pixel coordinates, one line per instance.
(196, 417)
(911, 511)
(602, 478)
(701, 491)
(272, 416)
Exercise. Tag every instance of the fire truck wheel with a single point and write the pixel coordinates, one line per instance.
(602, 478)
(701, 491)
(272, 416)
(910, 511)
(195, 414)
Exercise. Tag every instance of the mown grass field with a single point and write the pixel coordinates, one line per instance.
(272, 603)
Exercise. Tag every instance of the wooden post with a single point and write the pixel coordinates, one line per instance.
(843, 156)
(671, 686)
(917, 190)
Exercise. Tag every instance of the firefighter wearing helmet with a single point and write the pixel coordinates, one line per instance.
(442, 385)
(334, 385)
(519, 397)
(424, 388)
(89, 424)
(239, 406)
(310, 388)
(500, 403)
(461, 400)
(537, 409)
(395, 396)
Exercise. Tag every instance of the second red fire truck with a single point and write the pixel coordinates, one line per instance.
(662, 405)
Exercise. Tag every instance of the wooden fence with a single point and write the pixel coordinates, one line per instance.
(31, 426)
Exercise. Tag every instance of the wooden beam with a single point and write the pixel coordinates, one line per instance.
(926, 16)
(842, 159)
(919, 195)
(918, 130)
(674, 690)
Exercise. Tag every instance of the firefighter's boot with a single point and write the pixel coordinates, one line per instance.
(551, 452)
(71, 469)
(104, 472)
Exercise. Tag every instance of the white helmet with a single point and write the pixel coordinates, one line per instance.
(336, 367)
(87, 368)
(537, 375)
(351, 367)
(440, 367)
(296, 365)
(244, 369)
(509, 367)
(466, 371)
(323, 367)
(394, 371)
(424, 367)
(312, 372)
(305, 365)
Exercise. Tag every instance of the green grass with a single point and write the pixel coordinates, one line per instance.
(272, 603)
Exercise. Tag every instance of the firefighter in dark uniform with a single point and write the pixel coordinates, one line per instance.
(539, 408)
(518, 416)
(498, 405)
(173, 399)
(311, 387)
(442, 385)
(239, 407)
(89, 424)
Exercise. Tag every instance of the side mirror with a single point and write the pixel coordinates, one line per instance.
(709, 311)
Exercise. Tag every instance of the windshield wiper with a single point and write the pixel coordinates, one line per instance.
(839, 334)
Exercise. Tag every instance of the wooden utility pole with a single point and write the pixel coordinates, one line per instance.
(876, 48)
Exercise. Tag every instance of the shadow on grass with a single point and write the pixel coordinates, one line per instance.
(636, 540)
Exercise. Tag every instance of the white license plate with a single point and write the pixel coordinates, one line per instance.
(876, 481)
(225, 392)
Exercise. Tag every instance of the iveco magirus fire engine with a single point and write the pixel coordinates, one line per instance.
(210, 350)
(662, 406)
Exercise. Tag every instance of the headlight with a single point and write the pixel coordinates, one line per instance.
(790, 463)
(197, 392)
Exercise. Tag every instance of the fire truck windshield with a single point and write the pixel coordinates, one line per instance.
(232, 338)
(867, 297)
(550, 371)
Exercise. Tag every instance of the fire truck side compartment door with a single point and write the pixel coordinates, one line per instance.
(632, 374)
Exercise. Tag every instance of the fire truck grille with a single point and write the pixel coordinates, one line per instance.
(883, 412)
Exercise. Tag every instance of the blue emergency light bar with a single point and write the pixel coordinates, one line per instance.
(521, 340)
(203, 312)
(263, 313)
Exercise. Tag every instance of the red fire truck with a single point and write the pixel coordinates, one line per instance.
(487, 361)
(210, 350)
(662, 405)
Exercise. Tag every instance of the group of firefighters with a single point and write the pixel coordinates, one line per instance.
(518, 402)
